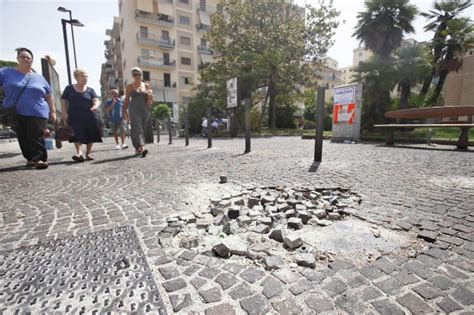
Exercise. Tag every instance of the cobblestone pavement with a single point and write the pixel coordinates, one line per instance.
(428, 193)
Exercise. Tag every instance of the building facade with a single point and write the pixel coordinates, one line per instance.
(165, 39)
(329, 76)
(458, 88)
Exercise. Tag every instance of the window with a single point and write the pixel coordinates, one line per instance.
(146, 76)
(185, 40)
(184, 20)
(186, 80)
(203, 42)
(145, 53)
(167, 79)
(185, 61)
(143, 32)
(165, 34)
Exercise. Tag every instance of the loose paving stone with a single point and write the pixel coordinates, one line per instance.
(226, 280)
(319, 304)
(287, 306)
(429, 236)
(252, 274)
(414, 304)
(255, 305)
(211, 295)
(221, 309)
(448, 305)
(271, 287)
(463, 296)
(385, 307)
(273, 262)
(180, 301)
(174, 285)
(241, 291)
(305, 260)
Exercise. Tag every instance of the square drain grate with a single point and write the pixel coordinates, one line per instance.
(96, 273)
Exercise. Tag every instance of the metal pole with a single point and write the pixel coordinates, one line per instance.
(169, 131)
(186, 127)
(68, 66)
(318, 145)
(73, 41)
(209, 130)
(247, 125)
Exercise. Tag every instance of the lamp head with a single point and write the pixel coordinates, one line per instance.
(62, 9)
(75, 22)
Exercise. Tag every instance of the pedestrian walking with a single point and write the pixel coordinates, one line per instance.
(29, 96)
(139, 97)
(204, 127)
(114, 107)
(79, 104)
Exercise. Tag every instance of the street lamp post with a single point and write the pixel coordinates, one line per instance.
(73, 23)
(62, 9)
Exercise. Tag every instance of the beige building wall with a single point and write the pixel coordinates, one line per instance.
(360, 54)
(346, 74)
(329, 76)
(459, 87)
(165, 39)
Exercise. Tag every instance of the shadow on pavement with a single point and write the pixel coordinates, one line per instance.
(314, 167)
(425, 148)
(122, 158)
(8, 155)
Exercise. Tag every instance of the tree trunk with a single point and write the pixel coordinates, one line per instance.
(405, 95)
(426, 85)
(264, 109)
(439, 87)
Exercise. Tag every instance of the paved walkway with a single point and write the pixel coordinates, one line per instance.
(409, 190)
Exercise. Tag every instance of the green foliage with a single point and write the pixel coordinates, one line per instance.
(5, 63)
(161, 112)
(284, 117)
(255, 118)
(266, 42)
(382, 25)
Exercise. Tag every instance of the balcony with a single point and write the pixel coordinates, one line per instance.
(162, 92)
(205, 50)
(153, 40)
(206, 8)
(153, 18)
(203, 27)
(156, 63)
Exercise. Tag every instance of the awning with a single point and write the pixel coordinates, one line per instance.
(204, 17)
(165, 8)
(145, 5)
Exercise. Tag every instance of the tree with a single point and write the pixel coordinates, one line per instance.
(381, 28)
(266, 44)
(411, 66)
(452, 36)
(160, 112)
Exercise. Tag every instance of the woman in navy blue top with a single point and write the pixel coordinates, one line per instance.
(34, 105)
(79, 103)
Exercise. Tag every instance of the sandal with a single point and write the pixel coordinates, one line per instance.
(40, 165)
(144, 152)
(89, 157)
(78, 158)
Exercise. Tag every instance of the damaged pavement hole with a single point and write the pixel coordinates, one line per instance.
(277, 225)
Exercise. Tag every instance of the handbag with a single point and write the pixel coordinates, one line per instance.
(9, 114)
(64, 133)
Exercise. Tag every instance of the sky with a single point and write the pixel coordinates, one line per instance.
(36, 24)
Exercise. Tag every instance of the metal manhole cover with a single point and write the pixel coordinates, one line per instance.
(95, 273)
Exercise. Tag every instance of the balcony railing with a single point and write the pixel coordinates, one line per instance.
(206, 8)
(156, 63)
(153, 18)
(203, 27)
(205, 50)
(153, 40)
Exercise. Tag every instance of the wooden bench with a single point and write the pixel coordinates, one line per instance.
(432, 113)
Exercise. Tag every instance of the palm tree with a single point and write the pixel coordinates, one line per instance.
(382, 25)
(411, 66)
(452, 36)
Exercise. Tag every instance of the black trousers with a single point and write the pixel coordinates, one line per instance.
(30, 133)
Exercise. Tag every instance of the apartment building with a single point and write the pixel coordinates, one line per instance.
(112, 74)
(329, 76)
(165, 39)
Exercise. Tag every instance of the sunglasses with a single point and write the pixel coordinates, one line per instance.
(136, 74)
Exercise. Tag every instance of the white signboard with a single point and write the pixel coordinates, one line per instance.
(232, 93)
(344, 95)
